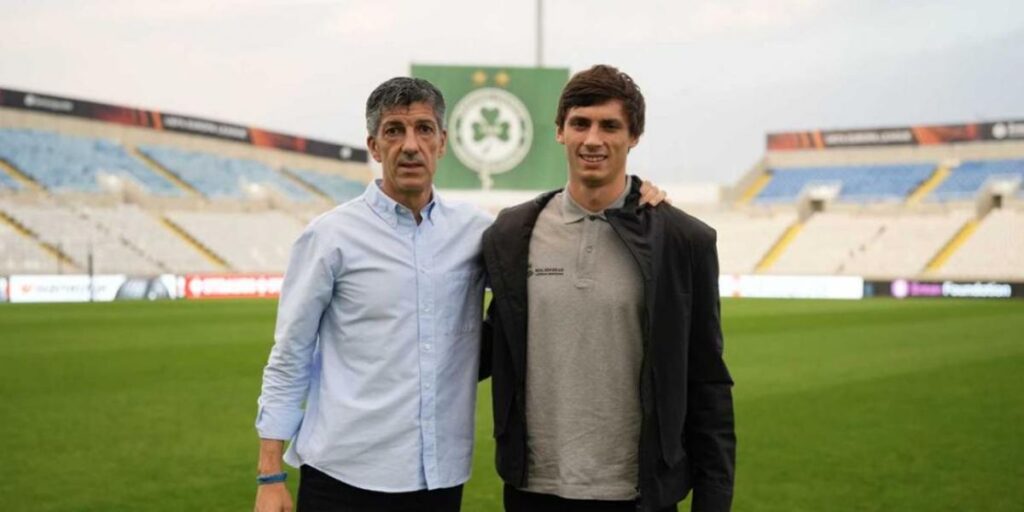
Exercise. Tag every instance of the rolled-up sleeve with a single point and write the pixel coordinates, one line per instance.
(305, 294)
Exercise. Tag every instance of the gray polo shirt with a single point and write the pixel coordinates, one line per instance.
(585, 301)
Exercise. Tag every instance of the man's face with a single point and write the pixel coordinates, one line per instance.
(408, 145)
(597, 141)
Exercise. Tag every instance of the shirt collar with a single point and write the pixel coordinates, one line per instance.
(390, 210)
(573, 212)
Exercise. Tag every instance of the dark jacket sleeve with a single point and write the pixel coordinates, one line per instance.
(710, 434)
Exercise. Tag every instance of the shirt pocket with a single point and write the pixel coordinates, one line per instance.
(462, 294)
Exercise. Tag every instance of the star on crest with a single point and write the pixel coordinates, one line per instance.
(479, 78)
(501, 79)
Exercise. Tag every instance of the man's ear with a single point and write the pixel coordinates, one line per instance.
(371, 144)
(444, 144)
(560, 135)
(633, 142)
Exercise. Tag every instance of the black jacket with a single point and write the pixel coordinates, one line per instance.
(687, 439)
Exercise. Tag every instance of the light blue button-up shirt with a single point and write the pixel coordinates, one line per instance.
(378, 332)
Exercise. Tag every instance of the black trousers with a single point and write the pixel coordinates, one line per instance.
(321, 493)
(517, 500)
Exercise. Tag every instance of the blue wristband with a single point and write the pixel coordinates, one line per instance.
(272, 479)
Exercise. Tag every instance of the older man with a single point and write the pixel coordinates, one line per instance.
(378, 333)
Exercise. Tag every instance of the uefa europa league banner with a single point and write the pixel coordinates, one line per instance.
(501, 126)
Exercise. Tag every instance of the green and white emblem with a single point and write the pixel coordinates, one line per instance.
(490, 132)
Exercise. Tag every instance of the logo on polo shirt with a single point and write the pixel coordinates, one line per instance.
(543, 271)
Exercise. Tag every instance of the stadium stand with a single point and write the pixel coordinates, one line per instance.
(970, 177)
(338, 188)
(858, 183)
(152, 237)
(826, 242)
(246, 241)
(744, 238)
(79, 237)
(903, 244)
(19, 253)
(994, 251)
(186, 204)
(219, 176)
(63, 163)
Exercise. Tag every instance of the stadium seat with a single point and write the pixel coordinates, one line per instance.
(859, 183)
(151, 237)
(338, 188)
(8, 183)
(968, 179)
(79, 237)
(827, 241)
(994, 251)
(20, 254)
(249, 242)
(904, 244)
(218, 176)
(64, 163)
(743, 239)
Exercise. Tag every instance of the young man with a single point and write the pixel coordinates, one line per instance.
(610, 391)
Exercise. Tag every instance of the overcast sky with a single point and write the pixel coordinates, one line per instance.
(717, 75)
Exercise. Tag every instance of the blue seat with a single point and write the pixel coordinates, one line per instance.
(859, 183)
(339, 188)
(967, 180)
(8, 183)
(217, 176)
(63, 163)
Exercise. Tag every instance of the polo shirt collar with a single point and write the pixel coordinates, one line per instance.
(573, 212)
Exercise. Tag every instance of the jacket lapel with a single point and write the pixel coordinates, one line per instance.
(511, 251)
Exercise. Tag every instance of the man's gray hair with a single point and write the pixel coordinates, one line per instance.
(402, 92)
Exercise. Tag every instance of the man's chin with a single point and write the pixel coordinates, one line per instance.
(410, 187)
(594, 178)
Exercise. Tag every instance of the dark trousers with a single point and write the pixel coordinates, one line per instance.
(321, 493)
(517, 500)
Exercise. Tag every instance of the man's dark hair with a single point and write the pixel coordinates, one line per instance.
(402, 91)
(601, 84)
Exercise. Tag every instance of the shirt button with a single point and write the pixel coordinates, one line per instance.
(590, 248)
(426, 309)
(426, 346)
(427, 385)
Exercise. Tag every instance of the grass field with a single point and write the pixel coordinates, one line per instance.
(875, 405)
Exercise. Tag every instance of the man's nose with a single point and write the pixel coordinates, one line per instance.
(593, 137)
(410, 144)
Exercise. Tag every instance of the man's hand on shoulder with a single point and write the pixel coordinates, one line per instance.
(273, 498)
(651, 195)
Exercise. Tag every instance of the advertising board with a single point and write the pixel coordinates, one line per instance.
(226, 286)
(791, 287)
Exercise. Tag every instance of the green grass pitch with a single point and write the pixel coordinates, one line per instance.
(874, 405)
